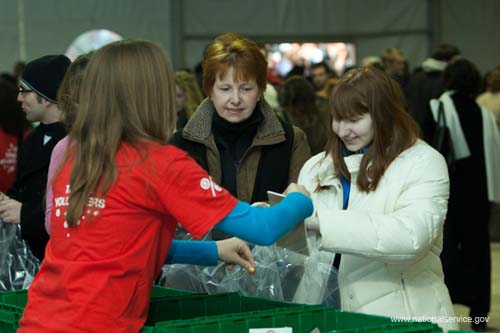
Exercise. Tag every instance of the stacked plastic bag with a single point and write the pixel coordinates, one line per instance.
(18, 266)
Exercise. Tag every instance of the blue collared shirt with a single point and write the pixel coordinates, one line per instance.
(346, 184)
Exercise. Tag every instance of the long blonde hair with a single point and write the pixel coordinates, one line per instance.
(188, 84)
(127, 96)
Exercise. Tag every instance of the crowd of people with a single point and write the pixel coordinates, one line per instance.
(127, 150)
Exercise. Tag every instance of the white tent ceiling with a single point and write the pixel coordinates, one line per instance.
(32, 28)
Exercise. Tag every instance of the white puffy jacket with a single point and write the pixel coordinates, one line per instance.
(390, 239)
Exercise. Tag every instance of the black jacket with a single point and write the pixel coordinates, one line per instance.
(422, 87)
(31, 182)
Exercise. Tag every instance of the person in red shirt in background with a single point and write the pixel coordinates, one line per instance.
(13, 129)
(121, 191)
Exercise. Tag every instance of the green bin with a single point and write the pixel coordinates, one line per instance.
(300, 319)
(159, 291)
(203, 305)
(12, 305)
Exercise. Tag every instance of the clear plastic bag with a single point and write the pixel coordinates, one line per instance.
(265, 282)
(18, 265)
(280, 274)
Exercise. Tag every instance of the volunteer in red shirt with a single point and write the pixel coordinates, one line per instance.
(8, 159)
(119, 195)
(13, 129)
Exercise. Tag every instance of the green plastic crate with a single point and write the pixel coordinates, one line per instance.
(301, 319)
(159, 291)
(12, 305)
(17, 297)
(408, 327)
(202, 305)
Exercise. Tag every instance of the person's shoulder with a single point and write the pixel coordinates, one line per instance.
(422, 147)
(62, 144)
(163, 158)
(483, 96)
(423, 154)
(317, 162)
(299, 136)
(316, 169)
(170, 151)
(298, 132)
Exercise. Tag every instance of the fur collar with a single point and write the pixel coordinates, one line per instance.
(199, 127)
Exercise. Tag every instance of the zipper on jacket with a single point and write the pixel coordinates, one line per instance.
(405, 296)
(340, 197)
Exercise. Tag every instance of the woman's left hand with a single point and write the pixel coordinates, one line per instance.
(235, 251)
(10, 210)
(312, 224)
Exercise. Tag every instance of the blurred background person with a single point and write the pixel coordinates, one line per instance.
(323, 96)
(474, 183)
(270, 93)
(490, 99)
(13, 128)
(395, 65)
(298, 107)
(425, 84)
(320, 72)
(187, 97)
(372, 61)
(38, 96)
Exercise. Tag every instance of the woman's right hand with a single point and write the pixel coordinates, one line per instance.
(235, 251)
(297, 188)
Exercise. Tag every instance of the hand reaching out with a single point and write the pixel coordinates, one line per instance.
(235, 251)
(297, 188)
(10, 209)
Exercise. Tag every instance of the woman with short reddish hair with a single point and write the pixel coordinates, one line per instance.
(234, 133)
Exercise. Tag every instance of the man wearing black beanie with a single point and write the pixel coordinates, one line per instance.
(24, 201)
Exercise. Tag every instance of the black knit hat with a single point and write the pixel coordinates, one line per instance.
(44, 75)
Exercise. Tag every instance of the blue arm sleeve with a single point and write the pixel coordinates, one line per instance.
(203, 253)
(264, 226)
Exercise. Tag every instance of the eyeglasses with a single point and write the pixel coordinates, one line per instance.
(24, 90)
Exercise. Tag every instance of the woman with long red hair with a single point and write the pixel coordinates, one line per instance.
(380, 196)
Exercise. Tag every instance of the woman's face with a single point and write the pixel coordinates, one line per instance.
(356, 133)
(234, 101)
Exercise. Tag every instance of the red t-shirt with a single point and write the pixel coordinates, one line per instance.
(8, 160)
(98, 276)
